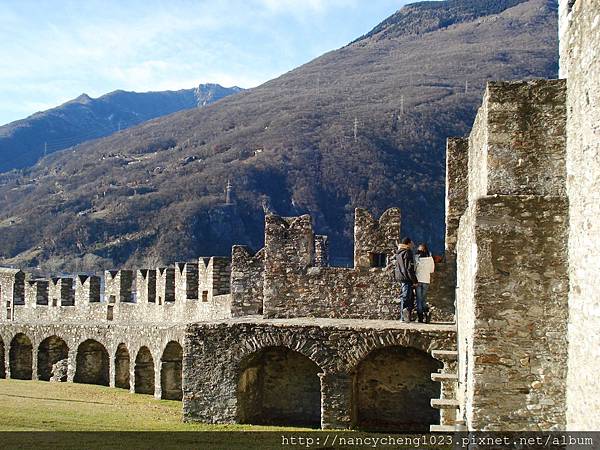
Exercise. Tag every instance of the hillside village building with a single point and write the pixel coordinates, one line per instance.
(280, 337)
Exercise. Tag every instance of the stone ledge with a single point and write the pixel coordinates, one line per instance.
(351, 324)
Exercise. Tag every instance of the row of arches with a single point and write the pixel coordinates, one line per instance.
(92, 364)
(391, 390)
(391, 387)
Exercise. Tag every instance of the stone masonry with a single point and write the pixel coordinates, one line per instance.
(580, 64)
(223, 380)
(527, 284)
(512, 261)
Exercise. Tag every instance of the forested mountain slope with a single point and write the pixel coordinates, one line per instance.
(362, 126)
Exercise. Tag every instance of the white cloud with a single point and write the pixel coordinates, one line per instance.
(53, 51)
(303, 6)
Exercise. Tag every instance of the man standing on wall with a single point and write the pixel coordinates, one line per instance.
(404, 272)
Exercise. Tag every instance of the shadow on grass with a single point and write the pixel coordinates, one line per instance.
(68, 400)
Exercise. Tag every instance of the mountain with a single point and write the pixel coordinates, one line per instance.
(24, 142)
(362, 126)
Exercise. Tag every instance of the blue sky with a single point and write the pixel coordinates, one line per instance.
(52, 51)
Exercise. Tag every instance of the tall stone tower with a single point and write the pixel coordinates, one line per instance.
(229, 193)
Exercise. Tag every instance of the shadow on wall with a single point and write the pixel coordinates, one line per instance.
(144, 372)
(52, 350)
(392, 390)
(2, 367)
(279, 386)
(122, 366)
(92, 363)
(21, 358)
(171, 371)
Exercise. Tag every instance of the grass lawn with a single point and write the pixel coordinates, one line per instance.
(37, 406)
(40, 415)
(43, 406)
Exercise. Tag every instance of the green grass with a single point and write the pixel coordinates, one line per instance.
(37, 406)
(43, 406)
(39, 415)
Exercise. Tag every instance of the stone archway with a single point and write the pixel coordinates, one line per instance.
(144, 372)
(170, 371)
(2, 363)
(279, 386)
(92, 363)
(392, 390)
(122, 365)
(51, 350)
(21, 357)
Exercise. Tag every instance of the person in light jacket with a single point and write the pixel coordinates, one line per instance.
(424, 267)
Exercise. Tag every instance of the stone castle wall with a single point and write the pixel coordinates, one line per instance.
(184, 293)
(247, 280)
(512, 261)
(109, 338)
(232, 370)
(457, 190)
(580, 63)
(295, 287)
(290, 276)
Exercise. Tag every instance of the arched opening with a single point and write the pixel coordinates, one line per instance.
(170, 371)
(144, 372)
(392, 390)
(21, 357)
(52, 350)
(2, 368)
(122, 362)
(92, 363)
(279, 386)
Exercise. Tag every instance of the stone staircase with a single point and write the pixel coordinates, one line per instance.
(448, 405)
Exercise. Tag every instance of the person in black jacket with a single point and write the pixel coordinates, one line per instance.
(404, 272)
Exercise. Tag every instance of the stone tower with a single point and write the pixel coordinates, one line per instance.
(229, 193)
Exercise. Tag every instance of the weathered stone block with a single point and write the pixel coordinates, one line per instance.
(36, 292)
(87, 289)
(457, 190)
(186, 281)
(517, 146)
(247, 277)
(512, 260)
(165, 285)
(373, 238)
(145, 283)
(62, 292)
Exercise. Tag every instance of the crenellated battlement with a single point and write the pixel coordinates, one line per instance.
(176, 294)
(289, 277)
(297, 280)
(247, 281)
(375, 241)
